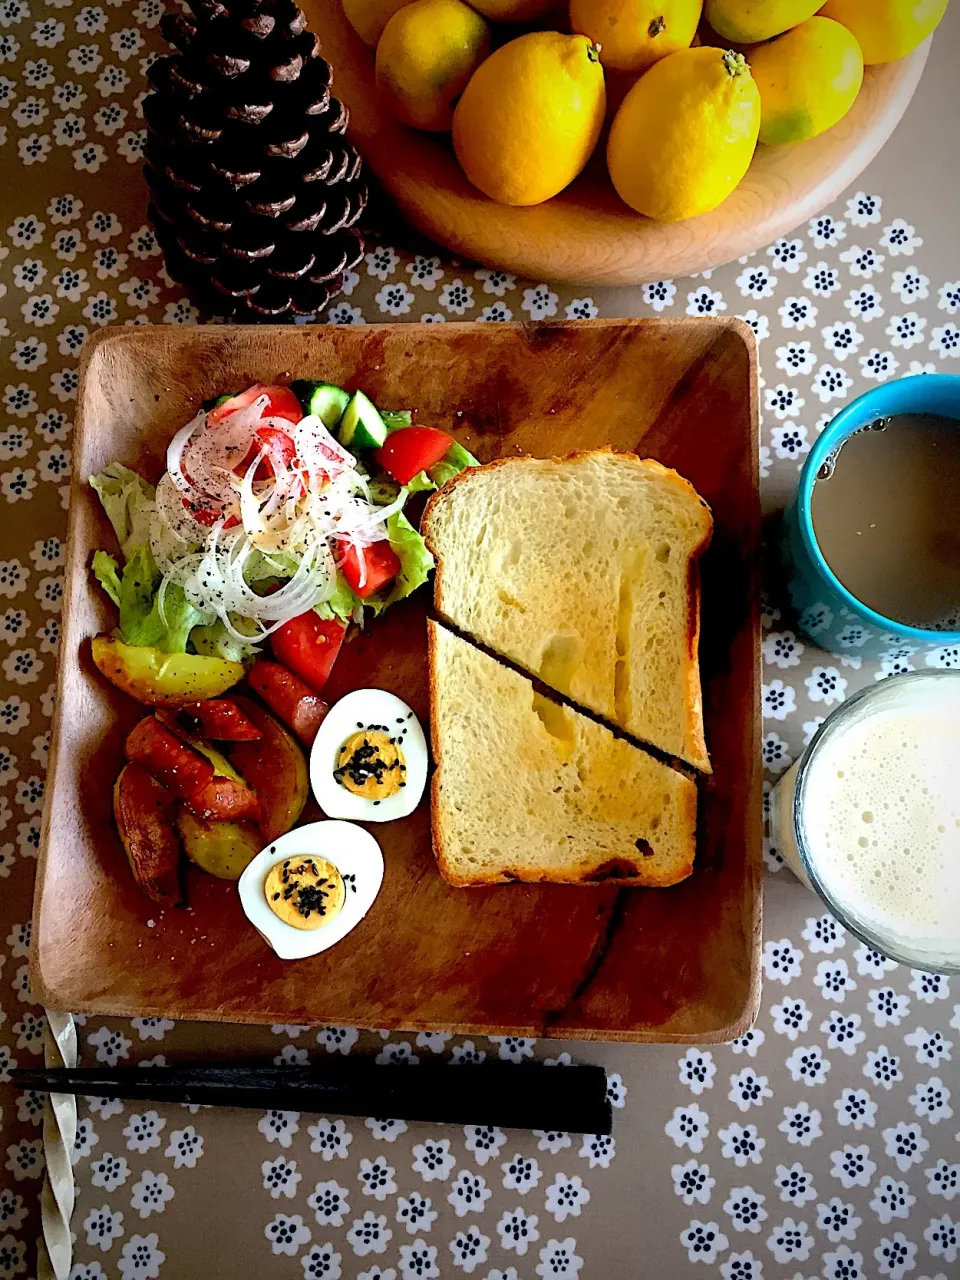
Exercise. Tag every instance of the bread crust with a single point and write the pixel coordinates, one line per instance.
(694, 739)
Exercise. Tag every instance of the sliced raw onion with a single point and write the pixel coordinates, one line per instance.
(218, 583)
(312, 507)
(175, 452)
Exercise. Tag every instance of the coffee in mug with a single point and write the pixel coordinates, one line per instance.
(871, 541)
(886, 515)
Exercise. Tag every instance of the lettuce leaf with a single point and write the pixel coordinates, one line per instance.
(457, 459)
(421, 483)
(416, 562)
(129, 502)
(383, 491)
(216, 641)
(394, 419)
(177, 618)
(260, 570)
(134, 590)
(107, 572)
(140, 623)
(344, 604)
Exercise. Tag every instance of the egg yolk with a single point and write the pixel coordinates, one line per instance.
(371, 764)
(305, 892)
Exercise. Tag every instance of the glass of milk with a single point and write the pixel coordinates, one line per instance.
(869, 817)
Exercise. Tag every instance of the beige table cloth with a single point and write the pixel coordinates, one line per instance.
(822, 1143)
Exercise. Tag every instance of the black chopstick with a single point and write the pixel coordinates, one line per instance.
(529, 1096)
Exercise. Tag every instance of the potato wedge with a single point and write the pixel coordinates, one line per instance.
(275, 767)
(222, 849)
(144, 812)
(163, 679)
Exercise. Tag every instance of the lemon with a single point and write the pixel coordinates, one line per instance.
(887, 29)
(633, 34)
(428, 51)
(369, 17)
(514, 10)
(530, 117)
(808, 80)
(747, 21)
(685, 134)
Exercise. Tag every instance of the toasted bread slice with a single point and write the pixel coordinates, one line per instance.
(528, 789)
(583, 571)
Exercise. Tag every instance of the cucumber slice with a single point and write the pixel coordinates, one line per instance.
(212, 403)
(361, 426)
(322, 399)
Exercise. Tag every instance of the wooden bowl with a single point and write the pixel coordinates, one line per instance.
(586, 235)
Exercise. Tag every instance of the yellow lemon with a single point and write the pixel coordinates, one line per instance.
(428, 51)
(530, 117)
(747, 21)
(369, 17)
(887, 29)
(808, 80)
(634, 34)
(514, 10)
(685, 134)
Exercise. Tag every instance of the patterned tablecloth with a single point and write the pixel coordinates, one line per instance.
(822, 1143)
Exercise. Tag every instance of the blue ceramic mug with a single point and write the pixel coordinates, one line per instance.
(827, 612)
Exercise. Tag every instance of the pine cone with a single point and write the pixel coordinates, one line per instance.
(254, 188)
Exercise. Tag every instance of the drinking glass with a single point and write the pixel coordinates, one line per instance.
(931, 695)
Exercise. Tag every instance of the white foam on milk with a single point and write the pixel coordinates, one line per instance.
(881, 816)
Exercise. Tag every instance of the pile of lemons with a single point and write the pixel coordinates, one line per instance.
(696, 83)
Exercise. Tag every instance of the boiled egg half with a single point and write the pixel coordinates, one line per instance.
(369, 758)
(308, 889)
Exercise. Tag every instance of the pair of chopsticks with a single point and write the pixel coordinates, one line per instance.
(529, 1096)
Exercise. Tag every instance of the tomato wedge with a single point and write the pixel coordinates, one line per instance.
(282, 404)
(208, 515)
(308, 646)
(278, 444)
(277, 440)
(379, 565)
(411, 450)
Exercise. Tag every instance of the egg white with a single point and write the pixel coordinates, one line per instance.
(353, 851)
(367, 707)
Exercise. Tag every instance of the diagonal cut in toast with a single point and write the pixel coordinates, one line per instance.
(528, 789)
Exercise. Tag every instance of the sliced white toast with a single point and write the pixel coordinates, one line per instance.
(527, 789)
(583, 571)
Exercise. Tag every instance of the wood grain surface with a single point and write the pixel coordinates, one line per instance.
(598, 963)
(587, 234)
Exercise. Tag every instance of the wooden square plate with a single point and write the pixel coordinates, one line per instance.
(596, 963)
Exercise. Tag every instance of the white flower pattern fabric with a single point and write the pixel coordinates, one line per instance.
(820, 1142)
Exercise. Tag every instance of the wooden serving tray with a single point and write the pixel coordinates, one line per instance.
(597, 963)
(586, 234)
